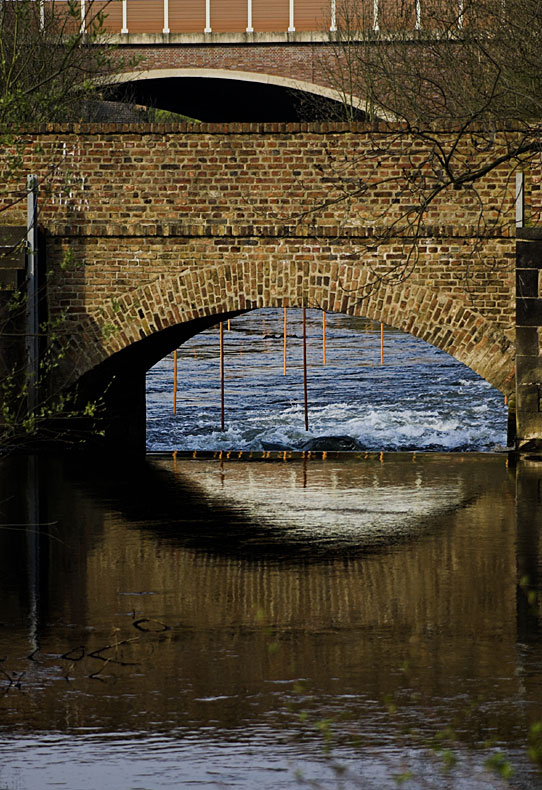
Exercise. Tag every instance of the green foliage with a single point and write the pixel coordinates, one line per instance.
(500, 765)
(54, 63)
(56, 411)
(535, 743)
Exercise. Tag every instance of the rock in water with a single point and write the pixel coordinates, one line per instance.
(331, 443)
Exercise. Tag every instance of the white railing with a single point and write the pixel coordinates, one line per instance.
(376, 24)
(249, 27)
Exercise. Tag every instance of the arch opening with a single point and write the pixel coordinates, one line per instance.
(420, 398)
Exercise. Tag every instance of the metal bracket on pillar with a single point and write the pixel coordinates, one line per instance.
(32, 326)
(520, 193)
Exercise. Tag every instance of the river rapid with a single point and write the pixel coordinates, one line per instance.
(420, 398)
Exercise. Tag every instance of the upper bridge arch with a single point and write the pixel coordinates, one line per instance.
(244, 79)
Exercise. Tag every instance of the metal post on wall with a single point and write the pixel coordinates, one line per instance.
(208, 28)
(249, 29)
(166, 17)
(32, 325)
(520, 200)
(333, 25)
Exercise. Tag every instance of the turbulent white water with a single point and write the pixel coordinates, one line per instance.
(421, 398)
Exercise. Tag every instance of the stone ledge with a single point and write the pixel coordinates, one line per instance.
(104, 229)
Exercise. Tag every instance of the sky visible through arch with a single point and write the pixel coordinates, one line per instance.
(419, 399)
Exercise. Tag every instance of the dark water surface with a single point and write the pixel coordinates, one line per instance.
(244, 623)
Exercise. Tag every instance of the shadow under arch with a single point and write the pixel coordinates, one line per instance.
(288, 84)
(153, 320)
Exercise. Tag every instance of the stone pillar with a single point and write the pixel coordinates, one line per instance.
(529, 339)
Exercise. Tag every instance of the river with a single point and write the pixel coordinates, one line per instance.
(247, 614)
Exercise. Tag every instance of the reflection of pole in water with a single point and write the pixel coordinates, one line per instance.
(33, 548)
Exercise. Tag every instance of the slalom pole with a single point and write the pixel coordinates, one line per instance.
(229, 324)
(175, 382)
(324, 336)
(221, 376)
(284, 332)
(381, 343)
(305, 369)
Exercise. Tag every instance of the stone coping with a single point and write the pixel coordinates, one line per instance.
(103, 229)
(321, 127)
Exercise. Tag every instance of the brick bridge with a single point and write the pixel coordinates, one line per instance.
(153, 233)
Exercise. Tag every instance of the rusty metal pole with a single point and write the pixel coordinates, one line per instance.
(324, 336)
(284, 352)
(221, 376)
(305, 369)
(175, 382)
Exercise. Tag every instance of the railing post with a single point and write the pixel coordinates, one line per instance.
(249, 29)
(166, 17)
(124, 17)
(291, 25)
(83, 16)
(208, 28)
(376, 25)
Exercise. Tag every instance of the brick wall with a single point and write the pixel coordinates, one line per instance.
(151, 226)
(302, 62)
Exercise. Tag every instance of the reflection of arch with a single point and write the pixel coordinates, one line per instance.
(149, 314)
(241, 76)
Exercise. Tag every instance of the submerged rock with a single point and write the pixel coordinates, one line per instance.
(331, 443)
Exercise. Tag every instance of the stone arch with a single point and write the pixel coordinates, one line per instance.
(241, 76)
(201, 295)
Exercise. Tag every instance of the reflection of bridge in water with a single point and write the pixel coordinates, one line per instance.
(219, 563)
